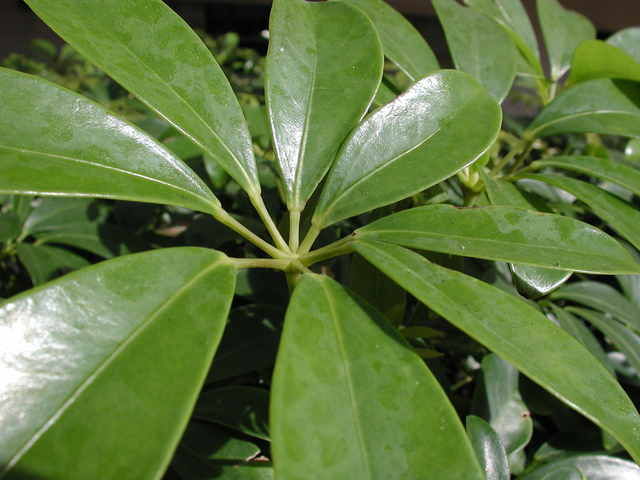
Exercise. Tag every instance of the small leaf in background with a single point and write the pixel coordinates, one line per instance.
(403, 45)
(46, 262)
(513, 18)
(351, 400)
(182, 81)
(593, 467)
(517, 333)
(478, 47)
(51, 213)
(563, 30)
(565, 472)
(313, 104)
(243, 409)
(85, 150)
(596, 59)
(207, 452)
(628, 40)
(598, 106)
(440, 125)
(10, 226)
(102, 368)
(508, 234)
(488, 448)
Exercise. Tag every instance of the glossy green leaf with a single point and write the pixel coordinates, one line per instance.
(376, 288)
(591, 107)
(632, 150)
(593, 467)
(478, 47)
(437, 127)
(498, 400)
(209, 453)
(513, 18)
(582, 334)
(153, 53)
(628, 40)
(564, 472)
(604, 168)
(517, 333)
(507, 234)
(596, 59)
(403, 45)
(531, 281)
(351, 400)
(244, 409)
(318, 86)
(45, 262)
(55, 142)
(102, 367)
(620, 215)
(563, 30)
(488, 448)
(630, 284)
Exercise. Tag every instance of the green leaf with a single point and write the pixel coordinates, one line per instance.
(627, 40)
(604, 168)
(54, 213)
(593, 467)
(478, 47)
(377, 289)
(596, 59)
(513, 18)
(517, 333)
(209, 453)
(591, 107)
(323, 69)
(565, 472)
(44, 262)
(153, 53)
(244, 409)
(403, 45)
(351, 400)
(632, 150)
(620, 215)
(108, 362)
(10, 225)
(437, 127)
(488, 448)
(563, 30)
(507, 234)
(55, 142)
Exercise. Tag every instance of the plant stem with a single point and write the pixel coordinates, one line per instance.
(223, 217)
(521, 145)
(521, 158)
(260, 207)
(294, 230)
(311, 236)
(333, 250)
(277, 264)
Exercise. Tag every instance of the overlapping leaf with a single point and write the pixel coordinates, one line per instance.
(596, 59)
(101, 368)
(489, 448)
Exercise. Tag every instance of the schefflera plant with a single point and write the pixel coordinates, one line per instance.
(101, 368)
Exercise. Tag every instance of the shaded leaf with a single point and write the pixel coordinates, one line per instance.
(565, 472)
(488, 448)
(10, 225)
(437, 127)
(318, 86)
(517, 333)
(351, 400)
(45, 262)
(593, 467)
(628, 40)
(51, 213)
(507, 234)
(182, 81)
(54, 142)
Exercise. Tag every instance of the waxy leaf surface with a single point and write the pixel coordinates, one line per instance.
(488, 448)
(591, 107)
(596, 59)
(517, 333)
(352, 401)
(154, 54)
(54, 142)
(478, 47)
(593, 467)
(437, 127)
(323, 69)
(101, 368)
(507, 234)
(403, 45)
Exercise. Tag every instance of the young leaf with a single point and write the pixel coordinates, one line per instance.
(437, 127)
(351, 400)
(563, 30)
(403, 45)
(508, 234)
(108, 362)
(153, 53)
(478, 47)
(489, 448)
(596, 59)
(54, 142)
(313, 104)
(517, 333)
(591, 107)
(620, 215)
